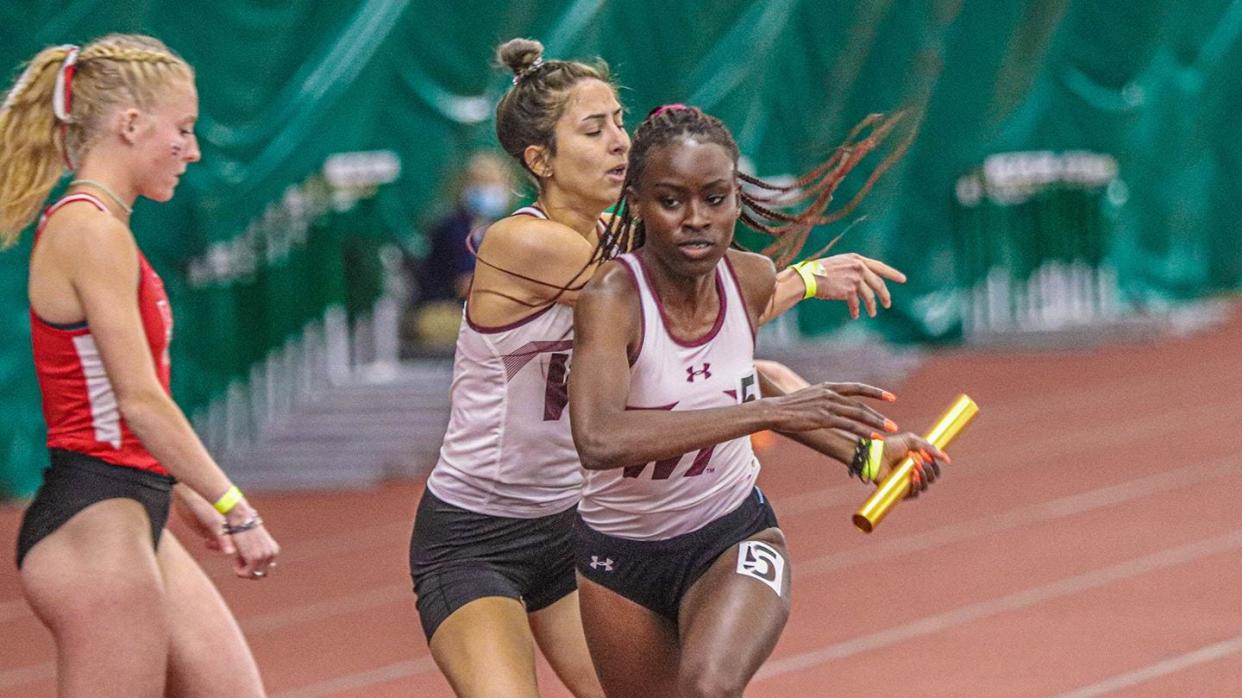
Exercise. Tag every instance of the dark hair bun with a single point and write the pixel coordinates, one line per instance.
(519, 55)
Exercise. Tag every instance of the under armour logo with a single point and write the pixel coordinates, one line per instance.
(597, 563)
(706, 372)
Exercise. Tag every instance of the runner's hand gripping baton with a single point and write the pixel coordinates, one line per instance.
(897, 485)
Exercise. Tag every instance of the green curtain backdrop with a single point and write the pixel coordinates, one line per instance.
(251, 248)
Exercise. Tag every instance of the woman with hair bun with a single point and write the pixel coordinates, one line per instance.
(491, 554)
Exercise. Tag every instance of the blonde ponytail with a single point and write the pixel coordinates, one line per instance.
(112, 71)
(31, 155)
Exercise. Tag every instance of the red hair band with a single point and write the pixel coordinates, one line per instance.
(62, 97)
(667, 107)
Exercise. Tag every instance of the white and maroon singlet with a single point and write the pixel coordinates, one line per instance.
(654, 501)
(508, 450)
(79, 404)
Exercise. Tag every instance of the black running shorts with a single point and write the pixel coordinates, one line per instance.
(657, 574)
(458, 556)
(74, 481)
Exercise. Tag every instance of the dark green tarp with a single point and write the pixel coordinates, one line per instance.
(284, 84)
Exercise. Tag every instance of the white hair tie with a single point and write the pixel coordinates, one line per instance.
(62, 93)
(528, 70)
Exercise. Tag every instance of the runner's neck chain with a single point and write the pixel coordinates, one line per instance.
(129, 210)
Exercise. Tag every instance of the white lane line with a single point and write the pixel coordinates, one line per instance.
(326, 546)
(1063, 446)
(349, 682)
(258, 625)
(932, 624)
(1066, 506)
(1101, 497)
(339, 606)
(962, 615)
(1210, 653)
(13, 678)
(1085, 501)
(310, 549)
(14, 609)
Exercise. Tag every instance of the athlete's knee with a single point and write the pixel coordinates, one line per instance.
(708, 677)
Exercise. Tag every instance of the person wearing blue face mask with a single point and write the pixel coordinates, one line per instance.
(486, 200)
(443, 276)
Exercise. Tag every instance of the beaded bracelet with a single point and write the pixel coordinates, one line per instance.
(868, 454)
(251, 523)
(859, 462)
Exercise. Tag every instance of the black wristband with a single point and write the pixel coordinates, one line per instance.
(859, 460)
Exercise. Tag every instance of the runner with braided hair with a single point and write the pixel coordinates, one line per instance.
(684, 576)
(131, 612)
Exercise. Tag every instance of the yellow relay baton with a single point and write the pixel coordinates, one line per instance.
(897, 485)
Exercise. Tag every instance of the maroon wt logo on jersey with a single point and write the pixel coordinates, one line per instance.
(691, 372)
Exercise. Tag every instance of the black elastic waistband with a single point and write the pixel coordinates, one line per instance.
(72, 460)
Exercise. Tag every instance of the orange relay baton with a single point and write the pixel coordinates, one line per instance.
(897, 485)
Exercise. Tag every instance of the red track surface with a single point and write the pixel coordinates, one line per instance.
(1086, 541)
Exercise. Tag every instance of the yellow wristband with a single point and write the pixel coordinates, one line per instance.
(228, 500)
(875, 456)
(807, 270)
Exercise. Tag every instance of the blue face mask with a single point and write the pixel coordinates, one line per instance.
(485, 200)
